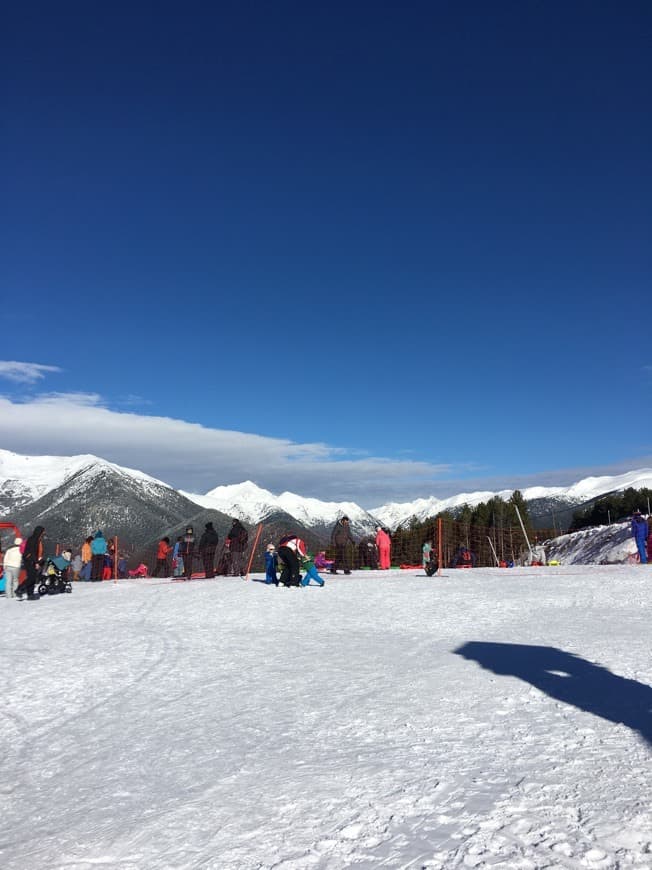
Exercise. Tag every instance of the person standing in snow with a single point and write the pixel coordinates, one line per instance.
(384, 544)
(236, 543)
(342, 541)
(32, 562)
(207, 548)
(426, 554)
(12, 564)
(87, 559)
(187, 551)
(177, 558)
(98, 550)
(640, 533)
(162, 552)
(271, 565)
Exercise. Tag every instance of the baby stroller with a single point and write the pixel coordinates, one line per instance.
(55, 576)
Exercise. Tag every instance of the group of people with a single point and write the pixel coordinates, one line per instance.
(179, 560)
(97, 560)
(295, 558)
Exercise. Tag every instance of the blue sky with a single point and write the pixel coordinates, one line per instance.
(407, 246)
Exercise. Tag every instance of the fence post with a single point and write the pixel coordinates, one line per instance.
(440, 549)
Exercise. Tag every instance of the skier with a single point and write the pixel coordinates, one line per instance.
(639, 533)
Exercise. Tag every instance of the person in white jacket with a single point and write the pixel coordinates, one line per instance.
(12, 564)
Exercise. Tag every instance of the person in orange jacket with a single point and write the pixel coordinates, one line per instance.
(164, 548)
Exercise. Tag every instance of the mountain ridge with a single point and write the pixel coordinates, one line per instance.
(35, 487)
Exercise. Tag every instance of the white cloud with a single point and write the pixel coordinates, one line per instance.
(24, 372)
(195, 458)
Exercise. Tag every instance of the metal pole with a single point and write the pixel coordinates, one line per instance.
(518, 514)
(253, 549)
(440, 553)
(493, 550)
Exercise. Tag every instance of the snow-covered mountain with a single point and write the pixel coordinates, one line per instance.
(33, 487)
(24, 479)
(252, 504)
(393, 515)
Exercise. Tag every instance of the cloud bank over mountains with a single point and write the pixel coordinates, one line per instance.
(196, 458)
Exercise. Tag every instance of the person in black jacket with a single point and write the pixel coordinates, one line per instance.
(207, 547)
(236, 542)
(342, 541)
(187, 551)
(32, 562)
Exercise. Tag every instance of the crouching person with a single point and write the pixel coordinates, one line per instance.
(290, 549)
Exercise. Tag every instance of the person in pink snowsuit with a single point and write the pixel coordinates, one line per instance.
(384, 544)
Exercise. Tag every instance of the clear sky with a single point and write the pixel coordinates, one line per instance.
(377, 249)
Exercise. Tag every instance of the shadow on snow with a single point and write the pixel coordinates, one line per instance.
(571, 679)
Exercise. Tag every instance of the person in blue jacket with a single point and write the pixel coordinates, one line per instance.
(639, 533)
(271, 565)
(98, 551)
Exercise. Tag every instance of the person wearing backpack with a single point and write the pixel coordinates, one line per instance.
(32, 562)
(12, 564)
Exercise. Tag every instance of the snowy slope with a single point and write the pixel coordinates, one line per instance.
(480, 719)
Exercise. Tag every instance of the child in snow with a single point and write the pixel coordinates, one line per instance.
(321, 562)
(140, 571)
(271, 565)
(308, 566)
(77, 566)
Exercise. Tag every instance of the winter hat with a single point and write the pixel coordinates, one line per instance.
(345, 518)
(209, 525)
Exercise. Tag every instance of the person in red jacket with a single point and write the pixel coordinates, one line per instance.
(384, 544)
(164, 548)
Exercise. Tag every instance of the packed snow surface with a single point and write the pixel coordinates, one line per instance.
(484, 718)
